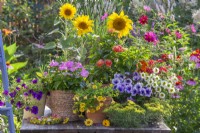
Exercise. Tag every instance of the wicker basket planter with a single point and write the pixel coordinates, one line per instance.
(61, 104)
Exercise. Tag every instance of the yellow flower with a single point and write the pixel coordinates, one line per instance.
(94, 87)
(121, 24)
(106, 123)
(100, 98)
(66, 120)
(67, 11)
(101, 104)
(81, 109)
(98, 108)
(88, 122)
(82, 105)
(90, 110)
(83, 24)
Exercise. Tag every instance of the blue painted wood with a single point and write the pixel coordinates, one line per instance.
(7, 110)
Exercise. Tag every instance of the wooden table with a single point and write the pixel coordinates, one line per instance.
(79, 127)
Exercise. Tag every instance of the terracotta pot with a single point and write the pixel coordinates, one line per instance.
(41, 106)
(61, 104)
(99, 116)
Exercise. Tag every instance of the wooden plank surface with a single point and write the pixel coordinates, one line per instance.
(79, 127)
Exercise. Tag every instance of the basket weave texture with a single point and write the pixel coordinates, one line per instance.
(62, 104)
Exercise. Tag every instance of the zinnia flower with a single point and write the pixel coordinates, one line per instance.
(83, 24)
(121, 24)
(88, 122)
(178, 35)
(143, 20)
(150, 37)
(67, 11)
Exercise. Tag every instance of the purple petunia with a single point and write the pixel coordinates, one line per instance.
(142, 92)
(19, 104)
(128, 81)
(5, 92)
(115, 81)
(115, 87)
(191, 82)
(39, 95)
(62, 66)
(34, 110)
(120, 88)
(26, 94)
(148, 92)
(134, 92)
(17, 88)
(18, 80)
(84, 73)
(34, 81)
(27, 108)
(2, 103)
(128, 88)
(69, 64)
(13, 94)
(24, 86)
(53, 63)
(30, 91)
(138, 86)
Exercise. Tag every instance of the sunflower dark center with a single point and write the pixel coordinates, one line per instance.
(83, 25)
(68, 12)
(119, 24)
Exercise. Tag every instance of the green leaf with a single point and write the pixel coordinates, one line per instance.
(12, 49)
(16, 67)
(39, 74)
(50, 45)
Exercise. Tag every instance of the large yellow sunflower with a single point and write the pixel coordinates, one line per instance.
(83, 24)
(119, 23)
(67, 11)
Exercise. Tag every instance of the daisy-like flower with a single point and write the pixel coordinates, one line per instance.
(120, 24)
(191, 82)
(83, 24)
(162, 95)
(88, 122)
(143, 75)
(156, 70)
(171, 90)
(169, 85)
(158, 89)
(67, 11)
(106, 123)
(154, 84)
(164, 84)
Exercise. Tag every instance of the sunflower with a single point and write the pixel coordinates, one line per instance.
(67, 11)
(121, 24)
(83, 24)
(88, 122)
(106, 123)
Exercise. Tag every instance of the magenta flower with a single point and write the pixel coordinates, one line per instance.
(78, 65)
(147, 8)
(191, 82)
(84, 73)
(178, 35)
(168, 30)
(193, 28)
(2, 103)
(194, 58)
(45, 73)
(53, 63)
(104, 16)
(69, 64)
(150, 37)
(62, 66)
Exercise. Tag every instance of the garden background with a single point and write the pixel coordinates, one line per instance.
(31, 27)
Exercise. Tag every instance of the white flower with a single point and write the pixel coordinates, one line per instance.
(156, 70)
(150, 82)
(158, 89)
(196, 16)
(171, 90)
(154, 84)
(164, 83)
(161, 95)
(169, 85)
(143, 75)
(157, 78)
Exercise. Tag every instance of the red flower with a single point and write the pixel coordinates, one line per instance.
(178, 83)
(160, 61)
(165, 57)
(100, 63)
(180, 77)
(151, 62)
(143, 19)
(163, 69)
(149, 70)
(118, 48)
(108, 63)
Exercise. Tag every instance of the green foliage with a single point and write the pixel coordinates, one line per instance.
(126, 115)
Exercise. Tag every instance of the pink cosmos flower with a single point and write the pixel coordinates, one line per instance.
(147, 8)
(193, 28)
(104, 16)
(151, 37)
